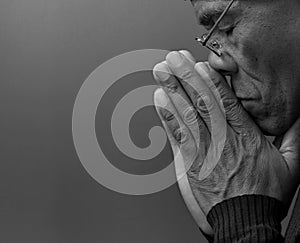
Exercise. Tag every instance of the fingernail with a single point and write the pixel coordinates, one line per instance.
(174, 58)
(161, 72)
(160, 98)
(188, 55)
(163, 76)
(200, 68)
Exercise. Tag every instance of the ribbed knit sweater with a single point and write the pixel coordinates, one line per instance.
(253, 218)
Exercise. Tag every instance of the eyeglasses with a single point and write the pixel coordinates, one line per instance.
(214, 45)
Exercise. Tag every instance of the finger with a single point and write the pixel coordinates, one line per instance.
(236, 116)
(180, 101)
(204, 101)
(203, 112)
(290, 148)
(188, 55)
(181, 140)
(203, 70)
(183, 155)
(191, 202)
(197, 90)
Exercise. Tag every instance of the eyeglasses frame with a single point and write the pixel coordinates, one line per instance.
(205, 38)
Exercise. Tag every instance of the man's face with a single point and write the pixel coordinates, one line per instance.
(261, 54)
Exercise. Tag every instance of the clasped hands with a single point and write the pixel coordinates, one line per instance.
(219, 152)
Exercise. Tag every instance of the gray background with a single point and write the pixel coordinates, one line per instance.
(47, 50)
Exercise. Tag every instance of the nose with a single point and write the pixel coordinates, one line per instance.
(224, 64)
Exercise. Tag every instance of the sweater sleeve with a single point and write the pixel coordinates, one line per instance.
(248, 218)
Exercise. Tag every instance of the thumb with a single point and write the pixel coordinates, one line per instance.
(290, 147)
(236, 116)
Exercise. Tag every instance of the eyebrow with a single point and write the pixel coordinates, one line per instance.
(205, 18)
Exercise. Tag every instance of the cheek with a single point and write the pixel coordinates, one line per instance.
(261, 57)
(258, 44)
(248, 51)
(257, 48)
(249, 54)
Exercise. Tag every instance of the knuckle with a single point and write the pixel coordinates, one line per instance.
(167, 115)
(190, 116)
(180, 135)
(186, 74)
(171, 87)
(204, 104)
(232, 108)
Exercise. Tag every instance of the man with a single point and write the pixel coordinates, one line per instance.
(236, 178)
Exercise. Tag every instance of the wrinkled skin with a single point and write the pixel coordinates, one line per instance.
(261, 53)
(247, 163)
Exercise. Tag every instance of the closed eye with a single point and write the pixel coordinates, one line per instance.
(207, 23)
(208, 18)
(226, 28)
(229, 30)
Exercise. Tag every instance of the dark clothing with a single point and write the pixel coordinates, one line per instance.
(293, 230)
(253, 218)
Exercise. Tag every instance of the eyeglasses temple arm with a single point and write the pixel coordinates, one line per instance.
(216, 24)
